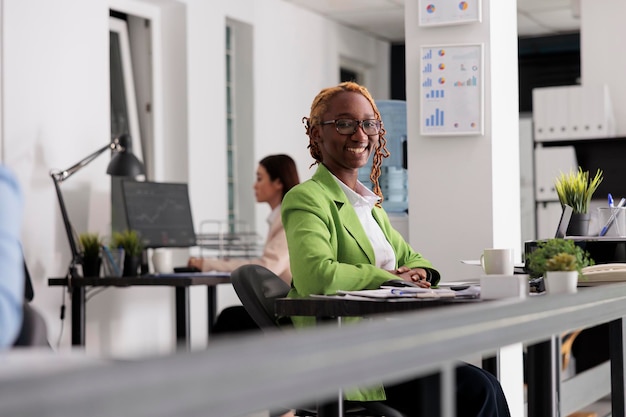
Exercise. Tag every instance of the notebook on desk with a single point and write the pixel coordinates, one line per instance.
(395, 292)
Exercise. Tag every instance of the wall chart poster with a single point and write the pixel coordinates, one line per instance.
(451, 93)
(448, 12)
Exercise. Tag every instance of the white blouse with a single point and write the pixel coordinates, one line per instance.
(363, 201)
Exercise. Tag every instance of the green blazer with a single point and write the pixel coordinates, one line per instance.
(330, 251)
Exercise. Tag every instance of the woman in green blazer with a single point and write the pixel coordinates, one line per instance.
(333, 246)
(340, 238)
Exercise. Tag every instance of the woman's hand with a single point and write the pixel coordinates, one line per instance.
(196, 262)
(417, 275)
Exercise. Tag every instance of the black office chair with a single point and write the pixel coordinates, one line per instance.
(257, 287)
(34, 331)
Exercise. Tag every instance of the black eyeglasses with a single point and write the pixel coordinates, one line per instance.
(371, 127)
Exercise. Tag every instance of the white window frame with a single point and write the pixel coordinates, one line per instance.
(120, 27)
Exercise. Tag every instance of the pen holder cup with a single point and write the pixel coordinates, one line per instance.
(614, 219)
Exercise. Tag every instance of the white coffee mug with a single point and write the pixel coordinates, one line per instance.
(497, 261)
(162, 261)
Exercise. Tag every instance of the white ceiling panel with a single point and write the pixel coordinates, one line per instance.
(542, 5)
(338, 6)
(385, 18)
(561, 20)
(529, 27)
(383, 24)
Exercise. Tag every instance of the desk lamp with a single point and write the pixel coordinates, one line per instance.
(123, 164)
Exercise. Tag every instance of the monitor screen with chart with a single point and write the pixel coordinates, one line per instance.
(160, 213)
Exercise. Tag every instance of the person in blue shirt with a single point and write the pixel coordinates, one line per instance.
(11, 260)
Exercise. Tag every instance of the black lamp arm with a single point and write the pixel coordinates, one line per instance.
(60, 176)
(76, 258)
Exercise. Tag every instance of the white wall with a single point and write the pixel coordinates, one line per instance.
(602, 32)
(56, 105)
(56, 111)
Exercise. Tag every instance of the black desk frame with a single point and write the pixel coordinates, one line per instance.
(181, 282)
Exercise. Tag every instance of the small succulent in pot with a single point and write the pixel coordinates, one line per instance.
(129, 240)
(90, 245)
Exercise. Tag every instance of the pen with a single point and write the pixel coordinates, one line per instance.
(610, 200)
(402, 292)
(614, 214)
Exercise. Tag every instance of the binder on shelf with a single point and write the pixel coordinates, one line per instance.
(577, 126)
(550, 113)
(572, 112)
(550, 162)
(559, 125)
(540, 113)
(597, 116)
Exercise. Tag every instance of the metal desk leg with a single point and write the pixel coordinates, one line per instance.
(331, 408)
(616, 354)
(211, 307)
(183, 329)
(446, 393)
(78, 316)
(541, 379)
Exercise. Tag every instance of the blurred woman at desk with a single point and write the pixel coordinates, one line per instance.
(275, 175)
(340, 238)
(11, 260)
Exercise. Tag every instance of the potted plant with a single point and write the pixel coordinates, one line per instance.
(560, 262)
(576, 189)
(130, 241)
(90, 244)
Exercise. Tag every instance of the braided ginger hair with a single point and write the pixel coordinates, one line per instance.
(320, 106)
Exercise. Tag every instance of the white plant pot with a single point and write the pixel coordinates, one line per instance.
(561, 282)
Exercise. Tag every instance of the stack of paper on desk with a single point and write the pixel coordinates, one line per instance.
(405, 292)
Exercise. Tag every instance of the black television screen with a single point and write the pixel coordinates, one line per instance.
(160, 213)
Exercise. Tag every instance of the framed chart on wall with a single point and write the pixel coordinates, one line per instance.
(451, 92)
(448, 12)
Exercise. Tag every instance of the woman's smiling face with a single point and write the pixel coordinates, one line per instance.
(345, 153)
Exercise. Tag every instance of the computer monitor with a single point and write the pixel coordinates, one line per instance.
(160, 213)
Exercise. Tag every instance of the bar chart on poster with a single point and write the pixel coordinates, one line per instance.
(451, 99)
